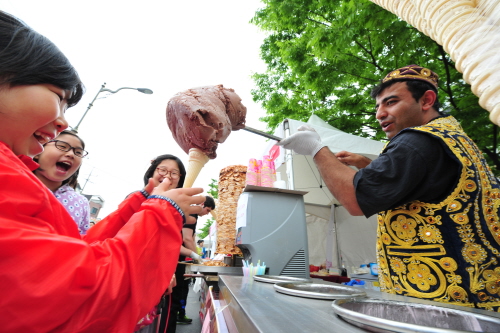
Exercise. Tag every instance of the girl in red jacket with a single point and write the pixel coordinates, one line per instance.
(51, 279)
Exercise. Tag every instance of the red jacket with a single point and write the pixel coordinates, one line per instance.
(52, 280)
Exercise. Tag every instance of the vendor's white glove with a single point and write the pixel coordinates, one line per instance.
(196, 257)
(305, 142)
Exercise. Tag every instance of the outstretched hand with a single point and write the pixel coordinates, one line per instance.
(185, 198)
(348, 158)
(150, 186)
(305, 142)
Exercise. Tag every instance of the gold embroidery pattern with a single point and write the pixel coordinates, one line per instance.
(418, 243)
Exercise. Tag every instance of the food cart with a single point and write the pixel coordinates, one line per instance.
(245, 304)
(250, 306)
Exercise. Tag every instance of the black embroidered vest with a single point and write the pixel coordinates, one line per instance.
(447, 251)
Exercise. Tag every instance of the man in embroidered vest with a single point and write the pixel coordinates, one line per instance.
(437, 201)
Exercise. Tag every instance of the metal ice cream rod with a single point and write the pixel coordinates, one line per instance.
(264, 134)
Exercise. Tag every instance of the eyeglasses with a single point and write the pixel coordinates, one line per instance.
(174, 174)
(64, 146)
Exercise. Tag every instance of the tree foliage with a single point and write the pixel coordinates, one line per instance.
(323, 57)
(213, 189)
(205, 230)
(214, 193)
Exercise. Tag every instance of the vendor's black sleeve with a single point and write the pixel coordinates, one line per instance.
(415, 166)
(191, 226)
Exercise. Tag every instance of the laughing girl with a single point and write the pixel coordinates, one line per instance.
(53, 279)
(59, 166)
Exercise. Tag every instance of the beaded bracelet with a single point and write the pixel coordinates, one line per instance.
(172, 202)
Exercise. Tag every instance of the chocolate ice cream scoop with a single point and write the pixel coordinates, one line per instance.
(203, 117)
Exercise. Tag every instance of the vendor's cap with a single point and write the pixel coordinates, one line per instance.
(413, 72)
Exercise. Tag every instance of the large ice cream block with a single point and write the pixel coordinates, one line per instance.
(203, 117)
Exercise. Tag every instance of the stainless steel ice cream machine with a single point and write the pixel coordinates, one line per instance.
(271, 227)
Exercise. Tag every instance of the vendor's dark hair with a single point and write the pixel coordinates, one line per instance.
(154, 164)
(200, 241)
(209, 202)
(28, 58)
(417, 88)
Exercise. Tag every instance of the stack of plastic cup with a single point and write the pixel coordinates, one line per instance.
(251, 270)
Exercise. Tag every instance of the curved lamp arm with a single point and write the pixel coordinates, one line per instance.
(142, 90)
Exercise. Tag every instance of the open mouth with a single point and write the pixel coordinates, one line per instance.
(63, 166)
(385, 125)
(43, 139)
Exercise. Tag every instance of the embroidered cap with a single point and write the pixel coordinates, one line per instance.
(413, 72)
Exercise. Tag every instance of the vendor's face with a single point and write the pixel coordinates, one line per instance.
(397, 109)
(205, 211)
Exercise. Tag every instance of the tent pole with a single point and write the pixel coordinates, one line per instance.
(288, 158)
(337, 245)
(330, 236)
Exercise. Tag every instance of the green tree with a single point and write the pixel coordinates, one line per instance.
(213, 189)
(323, 57)
(214, 193)
(205, 229)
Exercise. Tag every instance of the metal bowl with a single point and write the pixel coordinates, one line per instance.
(278, 278)
(375, 315)
(318, 290)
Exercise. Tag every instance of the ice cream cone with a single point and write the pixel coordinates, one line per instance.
(495, 115)
(197, 160)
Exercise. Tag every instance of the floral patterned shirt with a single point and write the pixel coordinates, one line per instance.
(76, 205)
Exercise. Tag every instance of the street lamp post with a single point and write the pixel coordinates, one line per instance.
(142, 90)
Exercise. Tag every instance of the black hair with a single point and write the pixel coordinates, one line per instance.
(200, 241)
(28, 58)
(417, 88)
(154, 164)
(209, 202)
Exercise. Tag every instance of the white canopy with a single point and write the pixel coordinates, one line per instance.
(332, 232)
(308, 178)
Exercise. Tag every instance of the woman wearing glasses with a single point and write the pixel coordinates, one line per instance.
(166, 166)
(171, 167)
(59, 165)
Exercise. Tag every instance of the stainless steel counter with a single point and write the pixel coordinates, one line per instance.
(254, 306)
(217, 270)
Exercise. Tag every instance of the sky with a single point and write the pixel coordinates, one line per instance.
(166, 46)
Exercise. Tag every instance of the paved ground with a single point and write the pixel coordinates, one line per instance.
(192, 311)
